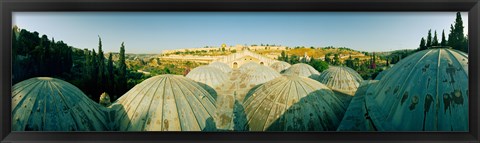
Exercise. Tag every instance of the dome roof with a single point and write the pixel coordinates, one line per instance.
(258, 75)
(342, 79)
(354, 118)
(302, 69)
(165, 103)
(248, 66)
(49, 104)
(280, 66)
(208, 75)
(426, 91)
(293, 103)
(222, 66)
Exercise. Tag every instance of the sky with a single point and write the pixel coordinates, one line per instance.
(152, 32)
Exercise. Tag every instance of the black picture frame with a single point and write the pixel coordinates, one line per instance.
(9, 6)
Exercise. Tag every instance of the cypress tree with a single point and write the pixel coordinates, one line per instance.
(429, 39)
(422, 45)
(110, 80)
(444, 41)
(122, 72)
(435, 39)
(101, 66)
(94, 75)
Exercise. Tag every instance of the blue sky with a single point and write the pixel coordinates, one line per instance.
(152, 32)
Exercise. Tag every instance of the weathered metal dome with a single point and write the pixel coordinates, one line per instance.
(302, 69)
(222, 66)
(50, 104)
(258, 75)
(280, 66)
(208, 75)
(165, 103)
(339, 78)
(247, 66)
(356, 117)
(426, 91)
(293, 103)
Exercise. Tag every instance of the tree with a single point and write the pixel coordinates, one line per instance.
(336, 59)
(422, 45)
(444, 41)
(435, 39)
(456, 38)
(327, 58)
(111, 75)
(94, 75)
(318, 65)
(101, 67)
(122, 72)
(429, 39)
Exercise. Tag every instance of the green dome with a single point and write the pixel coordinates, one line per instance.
(426, 91)
(208, 75)
(280, 66)
(50, 104)
(293, 103)
(343, 79)
(302, 69)
(165, 103)
(222, 66)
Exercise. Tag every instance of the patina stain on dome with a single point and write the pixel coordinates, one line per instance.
(280, 66)
(222, 66)
(343, 79)
(302, 69)
(166, 103)
(50, 104)
(293, 103)
(208, 75)
(426, 91)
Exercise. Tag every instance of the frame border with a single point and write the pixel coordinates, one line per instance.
(9, 6)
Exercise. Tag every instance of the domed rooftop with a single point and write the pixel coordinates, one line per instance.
(165, 103)
(247, 66)
(280, 66)
(208, 75)
(426, 91)
(222, 66)
(293, 103)
(259, 75)
(342, 79)
(50, 104)
(302, 69)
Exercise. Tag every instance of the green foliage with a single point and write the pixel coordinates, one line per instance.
(319, 65)
(435, 40)
(456, 38)
(429, 38)
(444, 41)
(422, 45)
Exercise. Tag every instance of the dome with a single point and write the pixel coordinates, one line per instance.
(258, 75)
(302, 69)
(381, 74)
(165, 103)
(293, 103)
(280, 66)
(343, 79)
(426, 91)
(50, 104)
(208, 75)
(247, 66)
(222, 66)
(354, 118)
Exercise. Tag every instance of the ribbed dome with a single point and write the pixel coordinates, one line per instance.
(165, 103)
(293, 103)
(208, 75)
(259, 75)
(222, 66)
(280, 66)
(49, 104)
(302, 69)
(247, 66)
(342, 79)
(427, 90)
